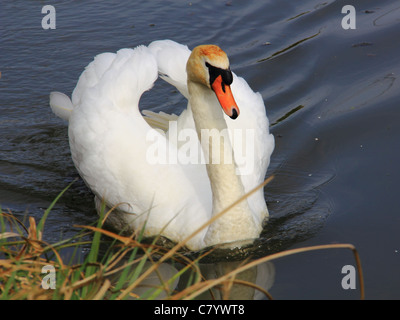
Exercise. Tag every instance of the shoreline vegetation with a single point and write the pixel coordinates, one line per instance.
(115, 267)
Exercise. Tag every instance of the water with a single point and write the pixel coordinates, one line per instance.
(332, 96)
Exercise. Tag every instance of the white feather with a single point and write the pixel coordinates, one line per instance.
(109, 140)
(61, 105)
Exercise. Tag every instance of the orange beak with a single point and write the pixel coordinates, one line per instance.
(225, 97)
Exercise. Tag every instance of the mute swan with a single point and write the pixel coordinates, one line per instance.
(110, 142)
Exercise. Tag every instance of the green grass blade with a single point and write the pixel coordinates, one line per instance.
(46, 213)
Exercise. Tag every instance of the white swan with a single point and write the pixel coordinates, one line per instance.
(110, 142)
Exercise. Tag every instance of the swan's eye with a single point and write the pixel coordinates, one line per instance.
(214, 72)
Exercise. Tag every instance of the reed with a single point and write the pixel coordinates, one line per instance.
(113, 273)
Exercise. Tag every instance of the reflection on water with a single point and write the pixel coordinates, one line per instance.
(387, 18)
(218, 281)
(291, 46)
(261, 276)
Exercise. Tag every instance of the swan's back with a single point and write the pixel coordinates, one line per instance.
(109, 142)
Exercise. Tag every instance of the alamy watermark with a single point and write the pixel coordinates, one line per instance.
(349, 280)
(49, 280)
(49, 20)
(349, 20)
(215, 146)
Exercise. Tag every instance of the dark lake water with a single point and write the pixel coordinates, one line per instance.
(332, 96)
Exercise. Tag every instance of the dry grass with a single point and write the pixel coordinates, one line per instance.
(115, 274)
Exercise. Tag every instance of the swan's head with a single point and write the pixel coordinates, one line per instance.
(209, 66)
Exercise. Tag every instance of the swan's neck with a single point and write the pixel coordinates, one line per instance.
(238, 223)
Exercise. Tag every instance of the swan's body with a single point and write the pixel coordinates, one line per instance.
(109, 141)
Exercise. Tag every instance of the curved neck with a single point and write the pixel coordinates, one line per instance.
(226, 185)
